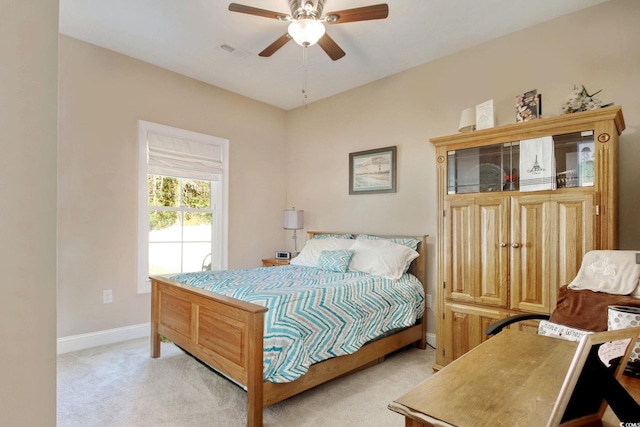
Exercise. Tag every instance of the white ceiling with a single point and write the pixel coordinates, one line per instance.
(185, 36)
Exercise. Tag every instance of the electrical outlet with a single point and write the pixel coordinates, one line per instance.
(107, 296)
(428, 300)
(637, 257)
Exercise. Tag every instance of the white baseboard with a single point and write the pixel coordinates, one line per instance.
(109, 336)
(431, 339)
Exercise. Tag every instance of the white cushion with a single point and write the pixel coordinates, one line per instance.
(381, 258)
(609, 271)
(310, 254)
(407, 241)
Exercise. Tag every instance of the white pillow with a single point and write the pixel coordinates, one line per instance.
(310, 254)
(381, 258)
(608, 271)
(407, 241)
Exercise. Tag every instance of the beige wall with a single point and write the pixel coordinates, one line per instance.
(28, 119)
(102, 96)
(598, 47)
(300, 158)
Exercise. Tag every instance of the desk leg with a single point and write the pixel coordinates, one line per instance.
(408, 422)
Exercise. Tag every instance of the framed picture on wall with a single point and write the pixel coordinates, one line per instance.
(373, 171)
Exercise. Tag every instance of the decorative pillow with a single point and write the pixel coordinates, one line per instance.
(337, 261)
(334, 236)
(381, 257)
(556, 330)
(310, 254)
(609, 271)
(406, 241)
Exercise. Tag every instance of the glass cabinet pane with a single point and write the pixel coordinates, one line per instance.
(482, 169)
(574, 159)
(496, 167)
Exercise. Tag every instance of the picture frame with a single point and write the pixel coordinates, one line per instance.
(528, 106)
(373, 171)
(592, 383)
(586, 164)
(485, 116)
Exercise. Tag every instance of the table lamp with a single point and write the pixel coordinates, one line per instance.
(294, 220)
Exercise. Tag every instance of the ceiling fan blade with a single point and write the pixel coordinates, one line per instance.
(273, 47)
(330, 47)
(367, 13)
(235, 7)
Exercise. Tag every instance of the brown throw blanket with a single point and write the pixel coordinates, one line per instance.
(585, 309)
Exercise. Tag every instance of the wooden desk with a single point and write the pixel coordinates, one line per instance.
(513, 379)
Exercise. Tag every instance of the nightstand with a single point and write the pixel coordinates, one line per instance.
(274, 262)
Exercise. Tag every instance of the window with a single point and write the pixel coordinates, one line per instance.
(180, 233)
(183, 194)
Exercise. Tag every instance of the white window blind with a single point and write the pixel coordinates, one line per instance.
(170, 156)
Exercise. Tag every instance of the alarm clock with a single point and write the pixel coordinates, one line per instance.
(283, 255)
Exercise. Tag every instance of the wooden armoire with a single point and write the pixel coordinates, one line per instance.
(502, 250)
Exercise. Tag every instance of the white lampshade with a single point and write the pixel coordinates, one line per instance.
(467, 120)
(293, 219)
(306, 32)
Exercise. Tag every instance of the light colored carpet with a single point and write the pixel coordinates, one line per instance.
(120, 385)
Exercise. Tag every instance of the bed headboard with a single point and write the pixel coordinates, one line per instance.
(419, 265)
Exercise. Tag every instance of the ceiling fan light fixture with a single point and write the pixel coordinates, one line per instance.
(306, 32)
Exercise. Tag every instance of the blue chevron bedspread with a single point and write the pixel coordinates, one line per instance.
(315, 314)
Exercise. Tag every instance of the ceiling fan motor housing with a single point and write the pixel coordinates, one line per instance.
(306, 9)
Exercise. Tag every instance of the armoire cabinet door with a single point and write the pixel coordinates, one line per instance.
(465, 328)
(532, 237)
(459, 246)
(550, 234)
(491, 256)
(576, 235)
(477, 264)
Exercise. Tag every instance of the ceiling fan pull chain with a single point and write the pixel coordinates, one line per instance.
(304, 76)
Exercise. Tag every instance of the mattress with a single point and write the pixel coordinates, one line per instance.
(315, 314)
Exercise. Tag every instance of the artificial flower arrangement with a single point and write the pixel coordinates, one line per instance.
(581, 100)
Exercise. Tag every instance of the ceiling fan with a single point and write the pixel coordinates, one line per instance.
(307, 24)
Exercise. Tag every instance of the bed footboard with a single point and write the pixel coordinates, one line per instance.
(223, 332)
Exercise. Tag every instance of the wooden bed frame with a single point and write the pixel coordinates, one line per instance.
(227, 334)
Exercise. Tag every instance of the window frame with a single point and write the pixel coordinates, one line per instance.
(219, 199)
